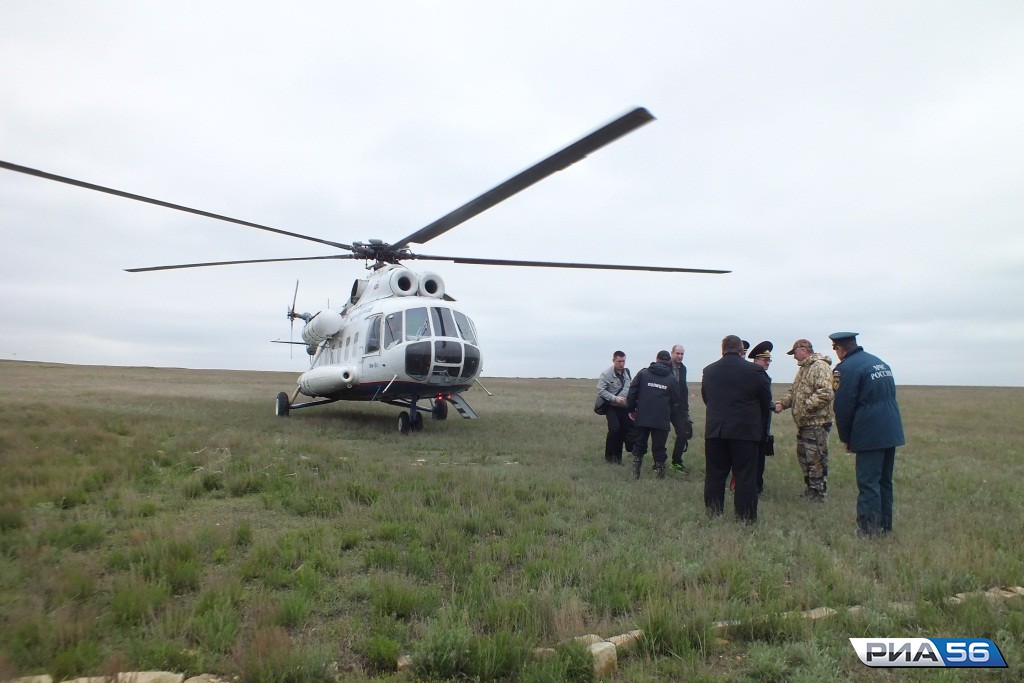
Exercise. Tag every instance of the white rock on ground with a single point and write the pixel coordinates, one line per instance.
(605, 658)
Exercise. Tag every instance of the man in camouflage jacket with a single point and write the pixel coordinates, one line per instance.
(810, 399)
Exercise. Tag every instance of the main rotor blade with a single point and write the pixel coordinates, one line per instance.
(554, 163)
(169, 205)
(234, 263)
(557, 264)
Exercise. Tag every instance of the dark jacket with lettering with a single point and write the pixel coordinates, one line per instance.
(867, 415)
(653, 395)
(738, 396)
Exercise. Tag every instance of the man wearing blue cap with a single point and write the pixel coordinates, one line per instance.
(869, 424)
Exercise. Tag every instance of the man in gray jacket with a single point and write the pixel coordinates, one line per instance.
(612, 386)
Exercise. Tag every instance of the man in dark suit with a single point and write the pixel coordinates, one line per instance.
(738, 396)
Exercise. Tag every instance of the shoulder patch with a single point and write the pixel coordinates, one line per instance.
(835, 379)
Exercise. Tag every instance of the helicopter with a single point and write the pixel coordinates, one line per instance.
(398, 338)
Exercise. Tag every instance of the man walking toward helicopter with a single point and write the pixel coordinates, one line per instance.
(652, 397)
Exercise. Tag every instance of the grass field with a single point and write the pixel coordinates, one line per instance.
(166, 519)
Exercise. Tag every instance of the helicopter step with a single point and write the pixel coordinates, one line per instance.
(463, 407)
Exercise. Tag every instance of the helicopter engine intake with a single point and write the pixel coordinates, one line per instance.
(431, 285)
(403, 282)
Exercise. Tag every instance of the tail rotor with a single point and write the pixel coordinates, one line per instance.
(292, 315)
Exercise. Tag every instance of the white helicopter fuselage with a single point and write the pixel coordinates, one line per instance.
(396, 339)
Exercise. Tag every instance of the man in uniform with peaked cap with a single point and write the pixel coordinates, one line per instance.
(761, 356)
(869, 424)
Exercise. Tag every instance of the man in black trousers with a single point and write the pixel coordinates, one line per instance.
(738, 396)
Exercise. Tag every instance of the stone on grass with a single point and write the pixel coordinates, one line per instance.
(150, 677)
(605, 658)
(626, 641)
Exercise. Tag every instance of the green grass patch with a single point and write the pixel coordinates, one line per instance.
(166, 519)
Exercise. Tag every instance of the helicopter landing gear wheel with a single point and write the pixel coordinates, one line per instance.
(440, 410)
(283, 406)
(404, 424)
(416, 422)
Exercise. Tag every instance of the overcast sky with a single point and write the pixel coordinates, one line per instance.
(857, 165)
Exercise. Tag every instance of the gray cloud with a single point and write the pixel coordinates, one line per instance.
(857, 165)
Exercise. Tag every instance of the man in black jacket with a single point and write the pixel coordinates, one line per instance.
(738, 396)
(652, 397)
(681, 415)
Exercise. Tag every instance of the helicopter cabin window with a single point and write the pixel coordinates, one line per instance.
(373, 335)
(444, 324)
(416, 325)
(392, 329)
(466, 327)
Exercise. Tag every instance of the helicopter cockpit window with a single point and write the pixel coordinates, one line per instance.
(373, 335)
(392, 329)
(444, 324)
(466, 327)
(416, 325)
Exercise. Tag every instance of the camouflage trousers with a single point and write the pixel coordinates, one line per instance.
(812, 453)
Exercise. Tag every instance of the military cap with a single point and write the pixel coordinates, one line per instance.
(836, 336)
(664, 355)
(746, 344)
(762, 350)
(800, 343)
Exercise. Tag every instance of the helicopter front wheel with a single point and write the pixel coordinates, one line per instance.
(283, 406)
(404, 423)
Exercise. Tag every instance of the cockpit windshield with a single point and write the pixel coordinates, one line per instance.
(416, 324)
(444, 324)
(466, 327)
(422, 322)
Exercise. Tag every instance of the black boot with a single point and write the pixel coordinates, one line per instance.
(638, 460)
(660, 469)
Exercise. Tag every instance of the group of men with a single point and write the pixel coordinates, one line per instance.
(646, 406)
(859, 395)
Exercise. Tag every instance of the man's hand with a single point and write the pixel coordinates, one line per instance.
(632, 416)
(621, 400)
